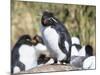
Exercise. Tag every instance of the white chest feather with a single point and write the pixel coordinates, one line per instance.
(82, 51)
(40, 47)
(28, 56)
(89, 63)
(51, 39)
(74, 51)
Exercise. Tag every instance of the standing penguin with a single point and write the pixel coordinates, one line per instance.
(23, 55)
(56, 37)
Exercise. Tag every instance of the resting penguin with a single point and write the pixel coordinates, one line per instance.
(56, 37)
(89, 62)
(28, 53)
(84, 53)
(23, 55)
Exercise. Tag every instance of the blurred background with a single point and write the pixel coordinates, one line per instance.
(80, 20)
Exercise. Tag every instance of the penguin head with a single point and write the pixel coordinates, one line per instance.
(47, 18)
(37, 39)
(24, 38)
(89, 50)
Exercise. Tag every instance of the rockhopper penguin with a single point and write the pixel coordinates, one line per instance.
(83, 57)
(56, 37)
(23, 55)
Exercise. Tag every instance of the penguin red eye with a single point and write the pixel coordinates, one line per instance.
(45, 21)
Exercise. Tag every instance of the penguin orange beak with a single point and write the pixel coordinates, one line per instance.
(34, 41)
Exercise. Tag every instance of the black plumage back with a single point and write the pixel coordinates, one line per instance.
(24, 39)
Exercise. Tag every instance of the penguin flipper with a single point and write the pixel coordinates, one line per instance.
(21, 65)
(61, 43)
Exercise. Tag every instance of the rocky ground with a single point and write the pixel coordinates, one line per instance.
(50, 68)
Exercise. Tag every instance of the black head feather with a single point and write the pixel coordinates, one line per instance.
(25, 37)
(47, 18)
(89, 50)
(37, 39)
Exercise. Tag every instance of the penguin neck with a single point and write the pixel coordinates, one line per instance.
(49, 25)
(26, 43)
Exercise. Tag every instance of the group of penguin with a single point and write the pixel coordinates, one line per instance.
(55, 39)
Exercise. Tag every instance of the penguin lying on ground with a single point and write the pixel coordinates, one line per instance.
(89, 62)
(81, 55)
(27, 53)
(56, 37)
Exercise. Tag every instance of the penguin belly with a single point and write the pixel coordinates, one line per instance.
(74, 51)
(51, 39)
(28, 56)
(40, 47)
(89, 63)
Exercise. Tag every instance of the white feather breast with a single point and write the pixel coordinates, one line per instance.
(74, 51)
(89, 63)
(28, 56)
(51, 39)
(82, 51)
(40, 47)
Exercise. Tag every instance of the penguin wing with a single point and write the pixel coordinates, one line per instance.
(64, 39)
(63, 43)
